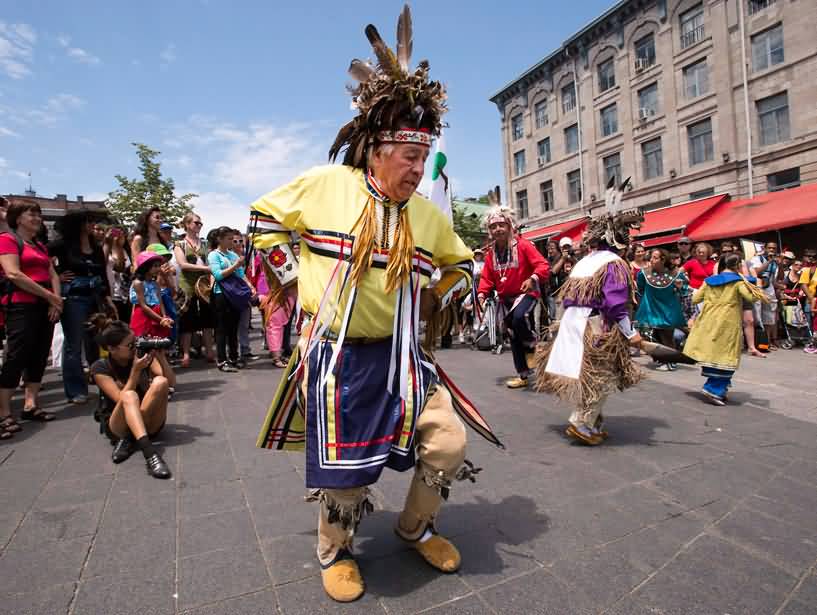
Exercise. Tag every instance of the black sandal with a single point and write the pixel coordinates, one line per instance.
(5, 435)
(37, 414)
(9, 424)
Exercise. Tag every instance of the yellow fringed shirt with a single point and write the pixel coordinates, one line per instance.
(322, 205)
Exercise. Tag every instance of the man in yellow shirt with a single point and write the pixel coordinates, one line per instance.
(363, 396)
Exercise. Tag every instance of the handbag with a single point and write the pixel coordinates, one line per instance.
(236, 291)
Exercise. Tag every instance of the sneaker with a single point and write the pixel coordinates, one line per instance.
(712, 398)
(461, 338)
(122, 450)
(157, 467)
(79, 400)
(664, 367)
(226, 366)
(249, 356)
(516, 383)
(240, 364)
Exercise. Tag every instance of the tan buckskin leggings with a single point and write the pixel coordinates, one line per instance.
(440, 441)
(588, 415)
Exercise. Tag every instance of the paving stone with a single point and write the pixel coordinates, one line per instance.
(278, 507)
(117, 550)
(258, 603)
(795, 607)
(308, 598)
(538, 592)
(406, 584)
(58, 523)
(216, 531)
(8, 524)
(713, 575)
(487, 558)
(127, 509)
(212, 498)
(51, 563)
(807, 592)
(205, 472)
(375, 537)
(42, 600)
(792, 547)
(630, 605)
(76, 491)
(219, 575)
(292, 558)
(148, 592)
(470, 605)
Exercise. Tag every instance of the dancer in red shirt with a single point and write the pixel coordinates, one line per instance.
(515, 269)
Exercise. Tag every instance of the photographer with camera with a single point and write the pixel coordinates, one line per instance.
(133, 383)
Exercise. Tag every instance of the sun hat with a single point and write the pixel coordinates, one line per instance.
(565, 241)
(160, 249)
(145, 259)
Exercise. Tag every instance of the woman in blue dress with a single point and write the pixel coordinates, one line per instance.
(660, 289)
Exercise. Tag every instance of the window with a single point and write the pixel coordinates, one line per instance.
(522, 204)
(696, 79)
(543, 151)
(700, 142)
(701, 194)
(519, 162)
(607, 75)
(653, 159)
(767, 48)
(692, 26)
(568, 98)
(756, 6)
(644, 53)
(609, 120)
(572, 139)
(790, 178)
(773, 116)
(612, 168)
(574, 187)
(516, 127)
(648, 101)
(546, 195)
(540, 111)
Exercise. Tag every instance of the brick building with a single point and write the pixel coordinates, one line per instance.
(54, 208)
(655, 90)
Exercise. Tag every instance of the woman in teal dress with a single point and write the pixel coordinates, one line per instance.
(660, 289)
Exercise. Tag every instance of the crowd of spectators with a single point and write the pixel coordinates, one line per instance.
(87, 297)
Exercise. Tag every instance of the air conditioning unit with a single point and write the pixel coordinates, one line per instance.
(540, 161)
(644, 113)
(641, 64)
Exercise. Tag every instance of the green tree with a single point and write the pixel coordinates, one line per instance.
(468, 227)
(152, 190)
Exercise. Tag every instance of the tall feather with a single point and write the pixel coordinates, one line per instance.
(361, 71)
(610, 196)
(385, 56)
(404, 39)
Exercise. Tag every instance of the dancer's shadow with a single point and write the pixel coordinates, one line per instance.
(507, 526)
(624, 431)
(178, 434)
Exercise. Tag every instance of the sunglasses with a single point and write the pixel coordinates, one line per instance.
(197, 223)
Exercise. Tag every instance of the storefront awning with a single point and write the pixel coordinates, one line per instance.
(767, 212)
(571, 228)
(668, 224)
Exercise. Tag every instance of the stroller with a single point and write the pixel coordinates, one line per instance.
(797, 328)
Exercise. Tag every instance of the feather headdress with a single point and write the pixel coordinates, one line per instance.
(498, 211)
(394, 102)
(613, 226)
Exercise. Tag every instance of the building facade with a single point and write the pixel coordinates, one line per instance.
(655, 90)
(57, 207)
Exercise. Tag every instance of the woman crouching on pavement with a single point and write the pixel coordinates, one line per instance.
(716, 337)
(133, 396)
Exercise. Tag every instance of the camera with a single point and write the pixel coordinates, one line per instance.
(144, 345)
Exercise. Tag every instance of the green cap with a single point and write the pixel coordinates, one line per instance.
(160, 249)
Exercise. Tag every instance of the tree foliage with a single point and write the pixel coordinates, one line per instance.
(468, 227)
(151, 190)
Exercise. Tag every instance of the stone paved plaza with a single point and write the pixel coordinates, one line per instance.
(690, 509)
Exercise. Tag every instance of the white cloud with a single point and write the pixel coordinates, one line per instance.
(168, 55)
(220, 209)
(16, 49)
(3, 163)
(62, 103)
(76, 53)
(6, 132)
(54, 109)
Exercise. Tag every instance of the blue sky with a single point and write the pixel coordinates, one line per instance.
(240, 96)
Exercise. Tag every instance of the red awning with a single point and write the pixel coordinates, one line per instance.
(667, 225)
(767, 212)
(571, 228)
